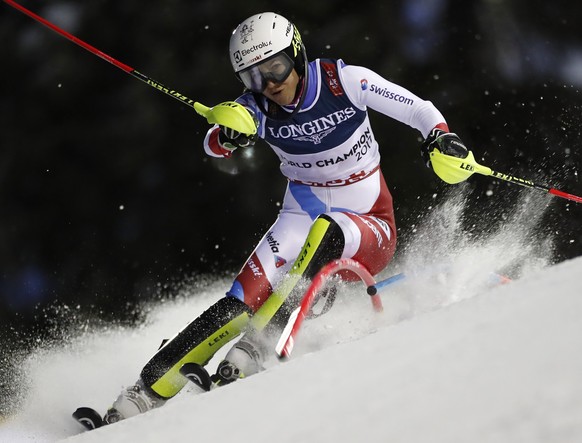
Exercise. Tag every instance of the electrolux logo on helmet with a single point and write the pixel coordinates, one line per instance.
(391, 95)
(247, 51)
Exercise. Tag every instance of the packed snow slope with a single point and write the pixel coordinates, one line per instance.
(453, 358)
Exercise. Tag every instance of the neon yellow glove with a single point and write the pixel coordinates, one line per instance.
(231, 139)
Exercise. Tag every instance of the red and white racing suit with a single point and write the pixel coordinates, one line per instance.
(331, 158)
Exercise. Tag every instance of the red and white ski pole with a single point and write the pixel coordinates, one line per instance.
(454, 170)
(230, 114)
(131, 71)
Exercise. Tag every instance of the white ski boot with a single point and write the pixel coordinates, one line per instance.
(133, 400)
(242, 360)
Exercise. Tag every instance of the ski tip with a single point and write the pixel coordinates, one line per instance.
(197, 375)
(88, 417)
(499, 279)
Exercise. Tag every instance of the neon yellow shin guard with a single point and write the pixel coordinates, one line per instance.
(196, 343)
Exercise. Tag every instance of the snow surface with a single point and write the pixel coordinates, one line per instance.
(453, 358)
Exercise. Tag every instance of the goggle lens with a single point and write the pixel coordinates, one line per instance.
(275, 69)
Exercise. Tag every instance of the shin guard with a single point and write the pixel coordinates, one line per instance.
(196, 343)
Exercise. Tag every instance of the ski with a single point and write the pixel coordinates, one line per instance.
(89, 418)
(197, 375)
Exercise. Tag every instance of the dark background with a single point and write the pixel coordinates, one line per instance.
(106, 195)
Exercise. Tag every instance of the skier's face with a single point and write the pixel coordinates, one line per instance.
(282, 93)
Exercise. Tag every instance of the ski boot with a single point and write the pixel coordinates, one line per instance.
(242, 360)
(133, 400)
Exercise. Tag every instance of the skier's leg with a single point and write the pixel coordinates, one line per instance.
(271, 259)
(324, 243)
(196, 343)
(160, 378)
(365, 238)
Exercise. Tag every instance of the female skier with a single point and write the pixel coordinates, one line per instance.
(314, 116)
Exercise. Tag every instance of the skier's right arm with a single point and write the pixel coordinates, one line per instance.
(221, 141)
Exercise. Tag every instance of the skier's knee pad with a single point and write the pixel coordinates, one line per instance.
(196, 343)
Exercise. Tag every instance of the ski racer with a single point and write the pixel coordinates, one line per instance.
(314, 116)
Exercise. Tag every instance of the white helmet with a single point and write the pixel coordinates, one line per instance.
(263, 37)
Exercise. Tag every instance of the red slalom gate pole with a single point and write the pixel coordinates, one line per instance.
(287, 340)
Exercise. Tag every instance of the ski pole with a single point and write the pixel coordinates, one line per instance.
(529, 184)
(230, 114)
(455, 170)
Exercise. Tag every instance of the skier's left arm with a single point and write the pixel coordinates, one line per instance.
(366, 88)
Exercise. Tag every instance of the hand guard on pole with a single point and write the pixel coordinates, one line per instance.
(438, 148)
(231, 139)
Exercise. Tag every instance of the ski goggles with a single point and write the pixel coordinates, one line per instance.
(275, 69)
